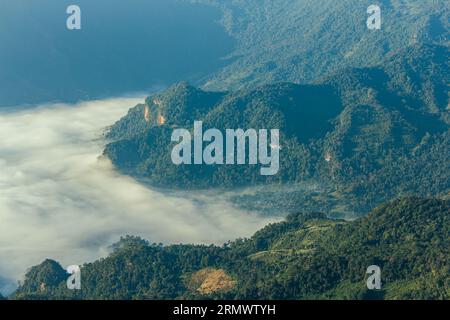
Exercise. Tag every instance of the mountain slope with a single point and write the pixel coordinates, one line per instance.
(307, 256)
(304, 40)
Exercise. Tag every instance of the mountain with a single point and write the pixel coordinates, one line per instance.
(364, 135)
(302, 41)
(306, 257)
(219, 44)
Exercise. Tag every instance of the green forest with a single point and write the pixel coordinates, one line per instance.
(306, 257)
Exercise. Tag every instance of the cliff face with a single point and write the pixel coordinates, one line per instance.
(303, 41)
(158, 104)
(147, 113)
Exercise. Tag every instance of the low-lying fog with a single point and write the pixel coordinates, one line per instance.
(59, 200)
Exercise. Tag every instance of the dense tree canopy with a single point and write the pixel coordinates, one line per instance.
(364, 135)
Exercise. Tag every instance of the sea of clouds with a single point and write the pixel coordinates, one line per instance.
(59, 199)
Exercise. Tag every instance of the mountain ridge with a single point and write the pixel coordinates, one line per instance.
(350, 133)
(308, 256)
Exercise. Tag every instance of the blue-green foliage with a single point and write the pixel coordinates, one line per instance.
(307, 256)
(383, 130)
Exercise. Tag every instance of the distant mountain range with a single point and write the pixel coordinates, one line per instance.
(306, 257)
(368, 134)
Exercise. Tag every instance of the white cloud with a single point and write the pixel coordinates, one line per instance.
(59, 200)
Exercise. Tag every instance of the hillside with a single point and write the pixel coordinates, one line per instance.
(302, 41)
(134, 46)
(307, 256)
(363, 135)
(233, 44)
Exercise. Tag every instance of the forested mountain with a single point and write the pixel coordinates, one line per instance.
(366, 135)
(232, 44)
(307, 256)
(305, 40)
